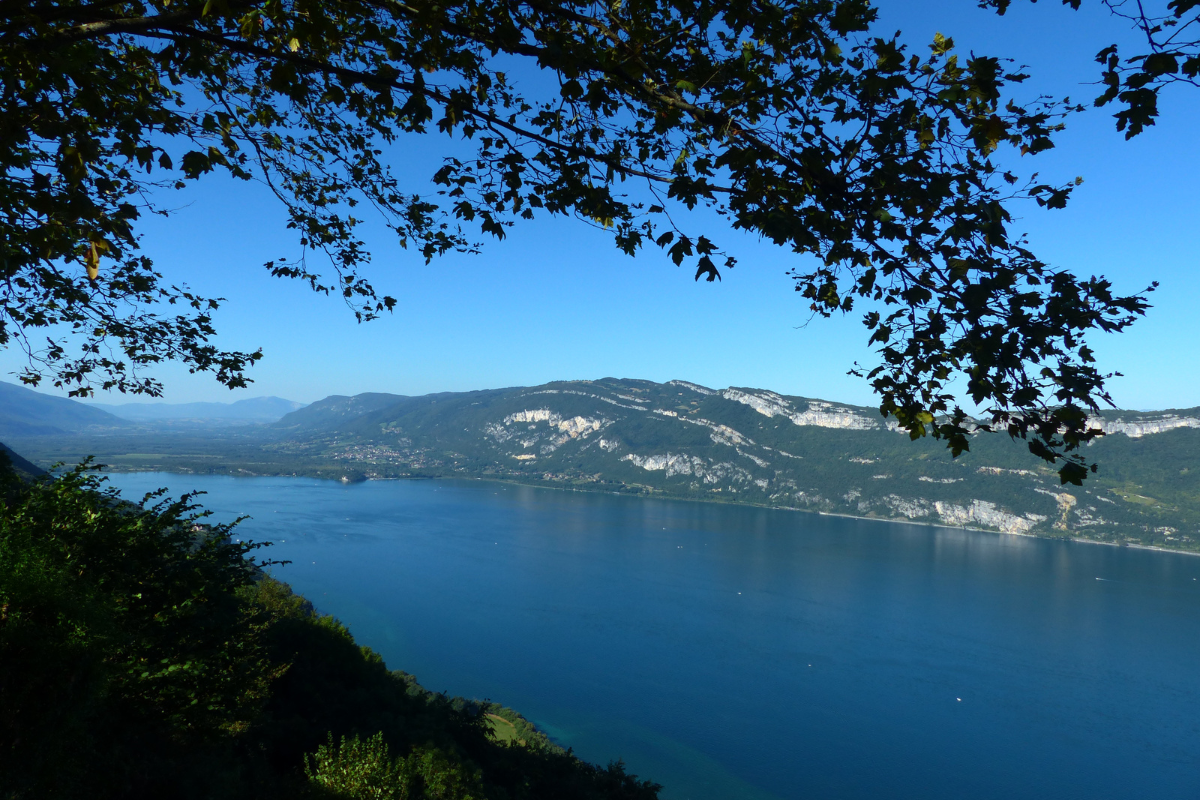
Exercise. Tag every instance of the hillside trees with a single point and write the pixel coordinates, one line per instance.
(144, 654)
(126, 657)
(789, 118)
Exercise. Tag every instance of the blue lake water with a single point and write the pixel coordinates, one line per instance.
(732, 652)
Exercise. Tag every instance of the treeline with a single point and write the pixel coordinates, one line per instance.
(144, 654)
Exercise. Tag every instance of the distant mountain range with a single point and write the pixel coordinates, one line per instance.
(254, 409)
(25, 412)
(680, 439)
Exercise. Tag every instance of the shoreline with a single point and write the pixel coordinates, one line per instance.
(1070, 539)
(716, 501)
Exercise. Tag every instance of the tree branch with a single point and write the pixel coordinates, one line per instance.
(368, 79)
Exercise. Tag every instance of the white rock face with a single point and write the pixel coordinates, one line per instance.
(754, 458)
(1065, 502)
(647, 462)
(567, 429)
(572, 427)
(600, 397)
(724, 471)
(1003, 471)
(826, 415)
(497, 432)
(1144, 427)
(983, 513)
(581, 426)
(675, 464)
(766, 403)
(912, 508)
(537, 415)
(979, 513)
(721, 434)
(818, 413)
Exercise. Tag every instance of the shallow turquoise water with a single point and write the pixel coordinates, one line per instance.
(732, 652)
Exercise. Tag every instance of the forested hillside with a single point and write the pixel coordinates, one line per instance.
(684, 440)
(144, 654)
(747, 445)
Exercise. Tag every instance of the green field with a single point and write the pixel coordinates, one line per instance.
(505, 731)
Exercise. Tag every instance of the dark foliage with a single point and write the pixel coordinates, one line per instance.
(126, 660)
(790, 118)
(142, 655)
(1171, 56)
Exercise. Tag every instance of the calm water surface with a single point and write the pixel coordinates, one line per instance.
(744, 653)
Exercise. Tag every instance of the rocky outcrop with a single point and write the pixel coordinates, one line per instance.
(979, 513)
(1003, 471)
(676, 464)
(561, 430)
(591, 395)
(987, 515)
(721, 434)
(1135, 429)
(537, 415)
(818, 413)
(645, 437)
(1065, 502)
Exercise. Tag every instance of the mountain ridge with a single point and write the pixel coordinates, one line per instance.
(738, 444)
(251, 409)
(756, 446)
(25, 412)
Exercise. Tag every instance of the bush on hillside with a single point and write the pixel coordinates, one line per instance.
(144, 654)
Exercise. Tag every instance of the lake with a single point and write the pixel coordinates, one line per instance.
(736, 652)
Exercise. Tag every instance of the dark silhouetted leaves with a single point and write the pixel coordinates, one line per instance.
(871, 163)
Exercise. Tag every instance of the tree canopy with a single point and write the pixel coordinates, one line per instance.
(1172, 41)
(792, 119)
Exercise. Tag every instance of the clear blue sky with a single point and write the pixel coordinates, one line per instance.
(557, 301)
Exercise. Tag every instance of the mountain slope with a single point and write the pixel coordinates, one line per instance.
(748, 445)
(679, 439)
(9, 460)
(335, 410)
(253, 409)
(24, 412)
